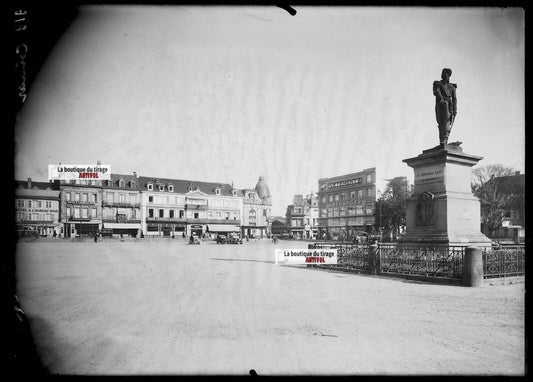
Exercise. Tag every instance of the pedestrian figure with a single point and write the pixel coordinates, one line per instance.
(96, 237)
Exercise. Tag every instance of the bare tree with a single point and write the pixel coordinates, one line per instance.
(498, 193)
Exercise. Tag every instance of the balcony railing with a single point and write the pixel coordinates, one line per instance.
(106, 203)
(115, 220)
(79, 202)
(194, 221)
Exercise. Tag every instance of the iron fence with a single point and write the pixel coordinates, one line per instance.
(444, 261)
(504, 261)
(349, 255)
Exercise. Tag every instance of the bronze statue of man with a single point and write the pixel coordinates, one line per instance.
(446, 104)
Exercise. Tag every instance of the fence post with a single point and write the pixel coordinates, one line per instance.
(373, 259)
(473, 267)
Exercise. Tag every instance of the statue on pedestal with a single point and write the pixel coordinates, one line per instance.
(446, 104)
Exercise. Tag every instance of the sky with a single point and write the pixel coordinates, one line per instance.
(230, 93)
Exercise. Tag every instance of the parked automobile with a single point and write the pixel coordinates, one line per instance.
(194, 240)
(221, 239)
(234, 238)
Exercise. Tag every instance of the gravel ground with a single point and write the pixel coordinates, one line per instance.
(136, 308)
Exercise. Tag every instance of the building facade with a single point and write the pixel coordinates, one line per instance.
(173, 207)
(257, 206)
(121, 205)
(346, 204)
(81, 207)
(37, 208)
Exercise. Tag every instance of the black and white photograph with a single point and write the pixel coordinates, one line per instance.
(266, 190)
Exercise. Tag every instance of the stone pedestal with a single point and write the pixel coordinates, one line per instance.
(442, 211)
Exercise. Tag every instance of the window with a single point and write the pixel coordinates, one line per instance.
(121, 198)
(121, 183)
(39, 204)
(150, 212)
(181, 214)
(171, 214)
(161, 188)
(352, 194)
(210, 214)
(235, 215)
(150, 186)
(76, 197)
(48, 204)
(227, 215)
(161, 213)
(94, 198)
(69, 212)
(85, 213)
(324, 199)
(264, 212)
(343, 196)
(369, 178)
(234, 192)
(217, 191)
(134, 213)
(20, 203)
(84, 197)
(133, 184)
(29, 203)
(331, 197)
(196, 215)
(77, 213)
(171, 188)
(369, 192)
(67, 196)
(93, 213)
(336, 197)
(133, 198)
(359, 194)
(150, 199)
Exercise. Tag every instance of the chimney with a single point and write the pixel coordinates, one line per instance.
(135, 174)
(29, 183)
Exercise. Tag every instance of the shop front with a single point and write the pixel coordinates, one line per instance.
(124, 229)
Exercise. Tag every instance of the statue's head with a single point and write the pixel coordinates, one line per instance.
(446, 72)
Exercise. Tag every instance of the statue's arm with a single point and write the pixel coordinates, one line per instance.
(454, 99)
(436, 90)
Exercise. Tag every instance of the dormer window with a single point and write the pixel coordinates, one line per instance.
(171, 188)
(121, 183)
(161, 187)
(217, 191)
(150, 186)
(234, 192)
(132, 184)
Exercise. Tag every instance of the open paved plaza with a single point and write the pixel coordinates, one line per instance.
(166, 307)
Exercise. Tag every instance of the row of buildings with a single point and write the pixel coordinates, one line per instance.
(141, 206)
(342, 208)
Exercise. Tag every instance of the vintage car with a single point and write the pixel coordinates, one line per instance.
(194, 240)
(234, 238)
(221, 239)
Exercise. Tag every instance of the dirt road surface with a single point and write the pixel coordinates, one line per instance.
(137, 308)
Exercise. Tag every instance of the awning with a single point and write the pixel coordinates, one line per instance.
(223, 228)
(123, 225)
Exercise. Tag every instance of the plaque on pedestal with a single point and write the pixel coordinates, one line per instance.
(442, 209)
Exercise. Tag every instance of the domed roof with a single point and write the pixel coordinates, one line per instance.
(262, 188)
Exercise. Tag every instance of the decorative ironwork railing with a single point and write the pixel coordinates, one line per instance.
(505, 261)
(349, 255)
(422, 260)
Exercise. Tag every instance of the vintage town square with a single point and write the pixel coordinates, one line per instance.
(274, 190)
